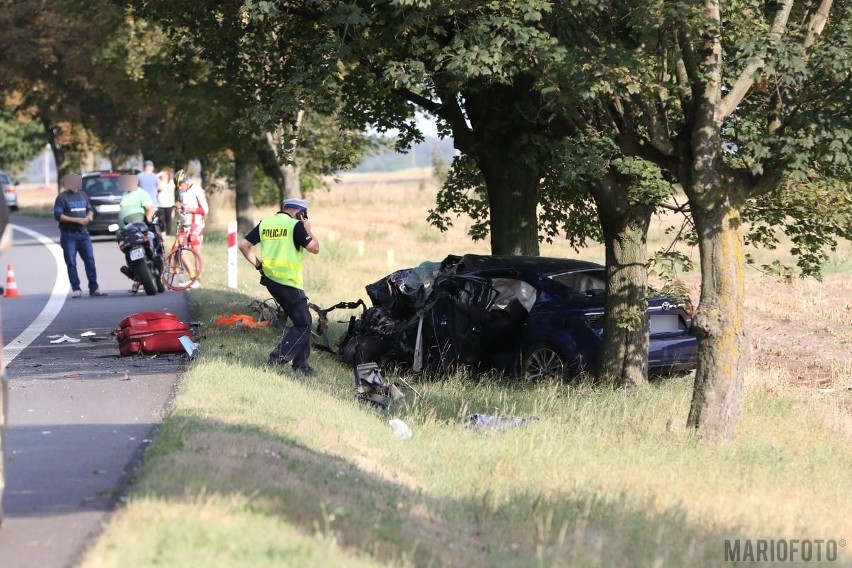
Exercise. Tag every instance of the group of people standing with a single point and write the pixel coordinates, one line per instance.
(144, 193)
(275, 246)
(190, 202)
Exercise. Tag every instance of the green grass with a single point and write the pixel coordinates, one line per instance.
(254, 467)
(41, 210)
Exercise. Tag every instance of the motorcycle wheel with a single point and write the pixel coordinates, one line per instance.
(140, 267)
(158, 274)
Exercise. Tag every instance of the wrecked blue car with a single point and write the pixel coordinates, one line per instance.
(530, 317)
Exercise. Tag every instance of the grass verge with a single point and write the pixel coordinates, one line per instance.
(254, 467)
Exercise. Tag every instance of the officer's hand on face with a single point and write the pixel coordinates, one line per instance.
(307, 225)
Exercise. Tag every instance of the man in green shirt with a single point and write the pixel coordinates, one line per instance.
(136, 207)
(136, 204)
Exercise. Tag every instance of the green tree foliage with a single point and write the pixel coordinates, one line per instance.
(212, 87)
(740, 103)
(474, 65)
(50, 70)
(813, 214)
(20, 141)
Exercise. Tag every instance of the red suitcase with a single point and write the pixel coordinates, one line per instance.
(151, 332)
(146, 318)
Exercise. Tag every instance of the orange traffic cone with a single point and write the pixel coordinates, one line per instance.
(11, 285)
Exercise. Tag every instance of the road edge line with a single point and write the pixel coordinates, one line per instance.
(54, 304)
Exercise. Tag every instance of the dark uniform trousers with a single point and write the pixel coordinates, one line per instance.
(295, 346)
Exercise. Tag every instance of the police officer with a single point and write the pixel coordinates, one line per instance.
(283, 239)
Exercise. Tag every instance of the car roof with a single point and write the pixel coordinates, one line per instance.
(101, 174)
(538, 264)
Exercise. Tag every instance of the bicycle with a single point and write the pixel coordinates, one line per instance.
(271, 312)
(183, 265)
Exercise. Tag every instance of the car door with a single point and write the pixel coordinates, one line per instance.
(459, 315)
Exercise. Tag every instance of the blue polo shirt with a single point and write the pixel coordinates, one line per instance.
(73, 205)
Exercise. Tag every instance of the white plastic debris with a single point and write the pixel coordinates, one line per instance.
(66, 339)
(189, 346)
(400, 428)
(483, 422)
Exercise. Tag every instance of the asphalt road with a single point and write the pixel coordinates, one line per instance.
(80, 416)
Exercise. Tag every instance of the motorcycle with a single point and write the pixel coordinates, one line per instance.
(144, 255)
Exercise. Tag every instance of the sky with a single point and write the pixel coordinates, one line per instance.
(427, 125)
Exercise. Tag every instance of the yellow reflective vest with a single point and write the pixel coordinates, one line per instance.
(282, 261)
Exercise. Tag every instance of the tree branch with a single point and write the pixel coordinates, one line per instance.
(746, 78)
(420, 100)
(691, 73)
(632, 145)
(817, 23)
(677, 207)
(452, 112)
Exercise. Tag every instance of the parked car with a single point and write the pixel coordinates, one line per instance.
(105, 195)
(533, 317)
(10, 192)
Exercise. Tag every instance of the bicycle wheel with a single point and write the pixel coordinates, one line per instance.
(183, 267)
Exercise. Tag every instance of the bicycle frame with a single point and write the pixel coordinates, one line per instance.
(269, 310)
(177, 274)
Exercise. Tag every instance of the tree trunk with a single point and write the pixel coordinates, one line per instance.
(292, 185)
(284, 172)
(511, 165)
(243, 201)
(717, 398)
(623, 358)
(208, 182)
(59, 154)
(512, 185)
(60, 157)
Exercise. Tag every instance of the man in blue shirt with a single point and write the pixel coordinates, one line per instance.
(74, 212)
(149, 181)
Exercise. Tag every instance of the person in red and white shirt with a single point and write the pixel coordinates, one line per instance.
(193, 209)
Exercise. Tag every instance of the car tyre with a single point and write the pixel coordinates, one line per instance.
(542, 362)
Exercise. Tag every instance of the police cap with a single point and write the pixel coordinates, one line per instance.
(293, 203)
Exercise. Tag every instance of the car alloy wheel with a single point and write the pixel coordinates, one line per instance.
(542, 362)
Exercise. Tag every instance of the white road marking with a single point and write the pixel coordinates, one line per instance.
(54, 304)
